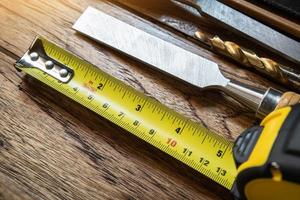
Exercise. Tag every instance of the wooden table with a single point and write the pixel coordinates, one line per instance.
(53, 148)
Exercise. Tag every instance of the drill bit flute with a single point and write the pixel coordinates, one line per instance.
(269, 67)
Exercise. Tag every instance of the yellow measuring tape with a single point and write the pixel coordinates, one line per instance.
(140, 115)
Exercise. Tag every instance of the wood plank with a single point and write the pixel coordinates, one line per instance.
(53, 148)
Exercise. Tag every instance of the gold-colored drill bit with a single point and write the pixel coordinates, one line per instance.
(266, 36)
(269, 67)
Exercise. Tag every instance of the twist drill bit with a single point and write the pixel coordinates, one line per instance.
(278, 72)
(248, 27)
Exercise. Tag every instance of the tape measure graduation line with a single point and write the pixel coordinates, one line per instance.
(142, 116)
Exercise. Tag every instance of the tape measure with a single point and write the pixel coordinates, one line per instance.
(185, 140)
(268, 158)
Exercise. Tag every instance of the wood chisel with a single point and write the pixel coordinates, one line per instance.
(175, 61)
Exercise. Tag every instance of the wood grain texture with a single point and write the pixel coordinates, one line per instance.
(53, 148)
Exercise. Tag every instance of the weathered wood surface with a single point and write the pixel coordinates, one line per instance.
(53, 148)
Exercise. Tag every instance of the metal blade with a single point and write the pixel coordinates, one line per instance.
(149, 49)
(249, 27)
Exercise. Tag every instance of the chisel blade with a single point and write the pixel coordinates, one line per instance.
(149, 49)
(173, 60)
